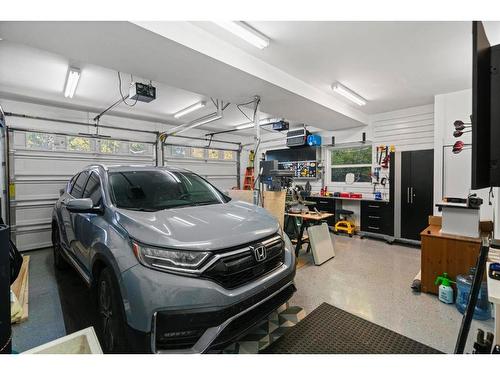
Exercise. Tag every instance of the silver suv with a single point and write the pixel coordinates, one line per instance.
(176, 265)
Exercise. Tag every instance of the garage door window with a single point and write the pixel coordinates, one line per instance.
(79, 144)
(77, 191)
(109, 146)
(198, 153)
(39, 141)
(137, 148)
(229, 155)
(213, 154)
(93, 189)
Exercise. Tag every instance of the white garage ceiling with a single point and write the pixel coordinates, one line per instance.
(393, 65)
(39, 76)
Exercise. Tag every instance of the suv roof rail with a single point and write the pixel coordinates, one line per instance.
(101, 165)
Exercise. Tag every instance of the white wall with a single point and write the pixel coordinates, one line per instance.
(407, 129)
(452, 173)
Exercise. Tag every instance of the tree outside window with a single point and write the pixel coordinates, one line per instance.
(356, 160)
(109, 146)
(79, 144)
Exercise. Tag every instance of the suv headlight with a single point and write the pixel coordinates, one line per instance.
(169, 259)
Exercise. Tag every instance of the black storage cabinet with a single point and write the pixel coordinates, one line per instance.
(417, 185)
(377, 217)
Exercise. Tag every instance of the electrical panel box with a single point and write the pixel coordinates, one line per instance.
(142, 92)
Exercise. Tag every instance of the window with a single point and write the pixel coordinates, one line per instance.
(77, 191)
(356, 160)
(228, 155)
(108, 146)
(198, 153)
(93, 189)
(137, 148)
(155, 190)
(179, 151)
(213, 154)
(78, 144)
(40, 141)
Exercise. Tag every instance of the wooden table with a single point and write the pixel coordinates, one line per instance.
(445, 253)
(308, 219)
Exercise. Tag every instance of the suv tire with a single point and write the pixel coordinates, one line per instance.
(112, 323)
(59, 261)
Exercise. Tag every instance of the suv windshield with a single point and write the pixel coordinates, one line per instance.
(155, 190)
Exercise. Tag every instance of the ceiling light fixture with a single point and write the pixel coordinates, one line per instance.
(348, 94)
(190, 109)
(194, 124)
(248, 125)
(245, 126)
(71, 82)
(245, 32)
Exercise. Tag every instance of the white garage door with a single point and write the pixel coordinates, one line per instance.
(217, 165)
(41, 164)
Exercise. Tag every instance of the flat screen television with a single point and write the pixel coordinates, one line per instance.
(480, 118)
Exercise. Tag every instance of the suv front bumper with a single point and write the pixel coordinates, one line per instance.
(200, 330)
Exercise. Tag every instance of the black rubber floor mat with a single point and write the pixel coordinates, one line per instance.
(329, 330)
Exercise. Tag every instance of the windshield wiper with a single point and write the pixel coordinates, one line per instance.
(205, 203)
(139, 209)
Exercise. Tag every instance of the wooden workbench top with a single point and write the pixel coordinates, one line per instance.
(435, 231)
(312, 215)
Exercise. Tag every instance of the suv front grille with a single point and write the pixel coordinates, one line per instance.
(238, 269)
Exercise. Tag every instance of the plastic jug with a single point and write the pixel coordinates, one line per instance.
(445, 289)
(482, 310)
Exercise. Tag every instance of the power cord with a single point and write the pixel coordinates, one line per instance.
(124, 99)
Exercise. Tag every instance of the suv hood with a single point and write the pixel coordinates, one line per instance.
(210, 227)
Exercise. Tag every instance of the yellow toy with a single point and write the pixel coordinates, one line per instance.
(344, 225)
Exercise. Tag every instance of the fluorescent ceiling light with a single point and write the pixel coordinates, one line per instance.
(248, 125)
(71, 82)
(190, 109)
(245, 32)
(348, 94)
(245, 126)
(195, 124)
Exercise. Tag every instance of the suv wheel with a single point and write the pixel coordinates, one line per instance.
(59, 261)
(112, 324)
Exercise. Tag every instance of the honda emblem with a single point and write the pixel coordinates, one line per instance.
(260, 253)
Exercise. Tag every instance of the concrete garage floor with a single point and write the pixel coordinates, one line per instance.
(371, 279)
(368, 278)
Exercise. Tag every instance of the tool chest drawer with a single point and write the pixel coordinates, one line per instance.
(377, 217)
(323, 204)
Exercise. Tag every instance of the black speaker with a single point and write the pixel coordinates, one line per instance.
(333, 141)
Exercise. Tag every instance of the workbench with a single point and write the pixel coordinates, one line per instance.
(376, 216)
(308, 219)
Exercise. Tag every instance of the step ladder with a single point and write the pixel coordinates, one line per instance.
(249, 179)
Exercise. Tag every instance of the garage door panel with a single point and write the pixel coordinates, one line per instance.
(34, 215)
(42, 163)
(31, 239)
(219, 166)
(223, 184)
(38, 190)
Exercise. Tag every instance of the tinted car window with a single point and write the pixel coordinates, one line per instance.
(160, 189)
(79, 185)
(93, 189)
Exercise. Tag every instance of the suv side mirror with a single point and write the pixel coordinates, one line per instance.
(84, 206)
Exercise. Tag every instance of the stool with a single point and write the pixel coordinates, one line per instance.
(345, 224)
